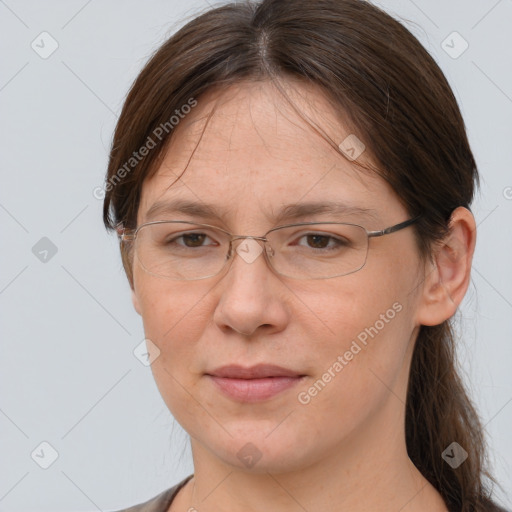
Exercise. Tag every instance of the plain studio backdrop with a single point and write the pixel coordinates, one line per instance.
(82, 424)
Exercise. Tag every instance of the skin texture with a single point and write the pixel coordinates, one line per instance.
(344, 449)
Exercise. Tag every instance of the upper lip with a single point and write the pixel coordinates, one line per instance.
(259, 371)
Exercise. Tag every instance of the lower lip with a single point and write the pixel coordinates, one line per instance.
(254, 390)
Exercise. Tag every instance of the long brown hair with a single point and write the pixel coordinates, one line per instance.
(391, 93)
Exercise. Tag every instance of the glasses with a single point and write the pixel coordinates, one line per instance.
(181, 250)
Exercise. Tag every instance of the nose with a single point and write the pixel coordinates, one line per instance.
(249, 297)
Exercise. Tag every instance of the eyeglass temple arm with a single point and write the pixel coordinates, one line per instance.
(396, 227)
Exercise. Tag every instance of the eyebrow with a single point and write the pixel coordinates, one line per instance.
(286, 213)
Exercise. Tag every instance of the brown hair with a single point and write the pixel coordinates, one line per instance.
(393, 95)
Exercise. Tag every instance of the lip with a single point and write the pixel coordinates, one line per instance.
(255, 383)
(259, 371)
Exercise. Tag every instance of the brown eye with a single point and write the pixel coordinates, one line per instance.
(195, 239)
(323, 241)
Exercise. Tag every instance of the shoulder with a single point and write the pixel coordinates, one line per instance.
(159, 503)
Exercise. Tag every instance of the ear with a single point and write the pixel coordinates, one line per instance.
(135, 302)
(447, 277)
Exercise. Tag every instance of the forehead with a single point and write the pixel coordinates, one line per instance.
(248, 151)
(253, 118)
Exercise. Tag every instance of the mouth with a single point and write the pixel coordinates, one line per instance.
(254, 384)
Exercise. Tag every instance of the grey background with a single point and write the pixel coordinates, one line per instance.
(68, 330)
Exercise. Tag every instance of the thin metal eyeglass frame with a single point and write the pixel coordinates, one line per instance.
(129, 235)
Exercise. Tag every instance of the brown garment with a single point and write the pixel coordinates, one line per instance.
(159, 503)
(162, 501)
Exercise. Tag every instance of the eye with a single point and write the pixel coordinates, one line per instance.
(190, 240)
(321, 241)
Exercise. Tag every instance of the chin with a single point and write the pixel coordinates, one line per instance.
(266, 451)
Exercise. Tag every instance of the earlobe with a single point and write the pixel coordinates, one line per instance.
(135, 302)
(447, 278)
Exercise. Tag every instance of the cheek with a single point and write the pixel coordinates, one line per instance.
(366, 321)
(360, 330)
(355, 372)
(173, 316)
(343, 309)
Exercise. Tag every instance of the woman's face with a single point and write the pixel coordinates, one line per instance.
(349, 337)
